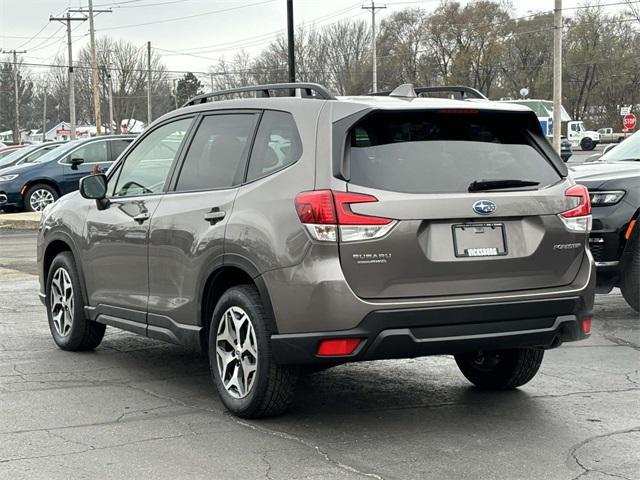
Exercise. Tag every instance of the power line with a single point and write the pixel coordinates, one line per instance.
(175, 19)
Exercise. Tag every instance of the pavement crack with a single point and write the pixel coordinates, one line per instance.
(573, 453)
(622, 342)
(312, 446)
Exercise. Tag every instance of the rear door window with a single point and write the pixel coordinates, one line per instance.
(444, 152)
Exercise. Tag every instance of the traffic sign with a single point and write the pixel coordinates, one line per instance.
(629, 121)
(624, 111)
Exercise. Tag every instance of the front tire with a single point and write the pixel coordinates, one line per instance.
(630, 284)
(39, 196)
(500, 369)
(249, 382)
(69, 327)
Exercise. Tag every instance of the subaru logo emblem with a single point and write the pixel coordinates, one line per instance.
(484, 207)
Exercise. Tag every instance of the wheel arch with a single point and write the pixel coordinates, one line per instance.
(57, 243)
(35, 181)
(234, 271)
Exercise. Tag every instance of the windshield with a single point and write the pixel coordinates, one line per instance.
(15, 155)
(58, 152)
(626, 151)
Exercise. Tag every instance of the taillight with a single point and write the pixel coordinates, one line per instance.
(578, 219)
(586, 325)
(325, 213)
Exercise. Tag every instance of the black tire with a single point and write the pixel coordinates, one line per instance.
(36, 190)
(272, 388)
(630, 282)
(587, 144)
(500, 369)
(82, 334)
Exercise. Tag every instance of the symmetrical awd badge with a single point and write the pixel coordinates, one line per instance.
(484, 207)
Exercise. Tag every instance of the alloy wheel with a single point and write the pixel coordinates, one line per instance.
(236, 352)
(61, 301)
(40, 199)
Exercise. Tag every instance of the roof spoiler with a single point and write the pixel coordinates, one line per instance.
(407, 90)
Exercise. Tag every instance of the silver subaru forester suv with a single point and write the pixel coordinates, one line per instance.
(294, 230)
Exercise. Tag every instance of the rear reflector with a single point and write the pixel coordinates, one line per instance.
(338, 347)
(586, 325)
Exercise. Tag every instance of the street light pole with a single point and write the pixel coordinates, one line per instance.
(290, 41)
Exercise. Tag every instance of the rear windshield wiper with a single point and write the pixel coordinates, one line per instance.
(479, 186)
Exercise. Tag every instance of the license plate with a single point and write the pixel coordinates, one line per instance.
(479, 240)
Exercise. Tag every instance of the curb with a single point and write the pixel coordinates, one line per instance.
(19, 221)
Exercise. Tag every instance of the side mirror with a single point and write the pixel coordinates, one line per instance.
(75, 162)
(94, 187)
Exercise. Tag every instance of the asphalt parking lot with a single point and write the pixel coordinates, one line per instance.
(137, 408)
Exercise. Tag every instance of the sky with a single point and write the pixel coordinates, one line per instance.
(191, 35)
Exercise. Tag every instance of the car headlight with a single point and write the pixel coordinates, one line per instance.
(7, 178)
(601, 199)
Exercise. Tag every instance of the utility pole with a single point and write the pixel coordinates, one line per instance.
(290, 42)
(72, 100)
(44, 116)
(148, 83)
(110, 87)
(175, 93)
(94, 63)
(211, 81)
(374, 53)
(17, 138)
(557, 75)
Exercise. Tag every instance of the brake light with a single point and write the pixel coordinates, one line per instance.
(578, 219)
(584, 208)
(326, 213)
(338, 347)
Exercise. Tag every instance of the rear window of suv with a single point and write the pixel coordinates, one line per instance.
(444, 152)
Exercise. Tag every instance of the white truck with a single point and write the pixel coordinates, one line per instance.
(573, 130)
(607, 135)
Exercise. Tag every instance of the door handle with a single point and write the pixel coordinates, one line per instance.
(141, 217)
(214, 216)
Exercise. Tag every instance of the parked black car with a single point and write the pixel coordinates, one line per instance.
(565, 150)
(614, 186)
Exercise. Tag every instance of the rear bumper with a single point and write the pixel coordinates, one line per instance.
(415, 332)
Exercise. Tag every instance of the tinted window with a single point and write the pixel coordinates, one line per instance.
(93, 152)
(433, 152)
(117, 147)
(146, 167)
(277, 144)
(216, 156)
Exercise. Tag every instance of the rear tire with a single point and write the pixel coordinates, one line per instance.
(630, 283)
(249, 382)
(500, 369)
(65, 304)
(39, 196)
(587, 144)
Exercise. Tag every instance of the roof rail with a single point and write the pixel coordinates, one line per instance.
(463, 91)
(307, 90)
